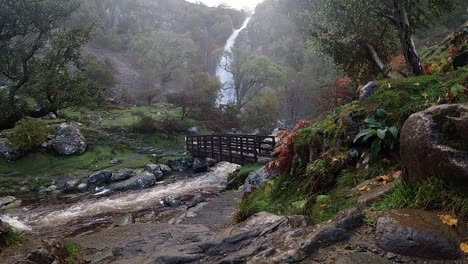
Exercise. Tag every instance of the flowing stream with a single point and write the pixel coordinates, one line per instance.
(228, 94)
(60, 214)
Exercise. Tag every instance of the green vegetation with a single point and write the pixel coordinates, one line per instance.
(282, 196)
(28, 134)
(14, 238)
(75, 253)
(434, 194)
(238, 177)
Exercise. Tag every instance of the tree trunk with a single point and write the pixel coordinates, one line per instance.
(407, 45)
(378, 62)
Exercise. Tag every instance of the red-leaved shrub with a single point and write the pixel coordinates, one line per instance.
(337, 94)
(284, 148)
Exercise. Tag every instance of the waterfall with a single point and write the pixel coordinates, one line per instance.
(227, 94)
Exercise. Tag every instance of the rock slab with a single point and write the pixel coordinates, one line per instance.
(418, 233)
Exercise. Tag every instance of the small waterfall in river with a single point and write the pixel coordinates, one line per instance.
(227, 94)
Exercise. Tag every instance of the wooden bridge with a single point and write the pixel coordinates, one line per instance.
(239, 149)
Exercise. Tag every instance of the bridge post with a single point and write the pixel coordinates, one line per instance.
(220, 149)
(242, 150)
(212, 147)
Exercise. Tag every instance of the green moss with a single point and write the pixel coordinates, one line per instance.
(75, 253)
(434, 194)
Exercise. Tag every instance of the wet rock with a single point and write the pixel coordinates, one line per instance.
(362, 258)
(297, 221)
(40, 256)
(460, 60)
(211, 162)
(69, 186)
(175, 259)
(368, 90)
(230, 244)
(322, 238)
(199, 166)
(7, 152)
(172, 201)
(420, 234)
(68, 140)
(13, 205)
(142, 180)
(424, 151)
(4, 229)
(122, 175)
(375, 194)
(124, 220)
(364, 160)
(6, 200)
(82, 187)
(166, 170)
(257, 179)
(116, 161)
(196, 200)
(156, 170)
(180, 164)
(100, 177)
(352, 220)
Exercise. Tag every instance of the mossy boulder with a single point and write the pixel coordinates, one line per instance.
(433, 143)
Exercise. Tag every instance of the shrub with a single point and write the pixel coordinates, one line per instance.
(145, 125)
(171, 128)
(29, 133)
(339, 93)
(378, 133)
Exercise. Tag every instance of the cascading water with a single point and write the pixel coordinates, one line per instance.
(227, 94)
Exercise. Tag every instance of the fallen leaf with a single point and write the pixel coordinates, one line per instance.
(464, 247)
(448, 220)
(364, 189)
(416, 84)
(424, 95)
(387, 161)
(385, 179)
(389, 85)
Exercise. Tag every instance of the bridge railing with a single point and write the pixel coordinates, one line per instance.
(238, 149)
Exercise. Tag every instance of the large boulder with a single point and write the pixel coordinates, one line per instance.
(100, 177)
(418, 233)
(156, 170)
(257, 179)
(142, 180)
(122, 175)
(434, 143)
(180, 164)
(199, 166)
(7, 152)
(68, 140)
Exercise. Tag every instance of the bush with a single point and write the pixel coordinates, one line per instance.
(29, 133)
(146, 124)
(75, 253)
(14, 238)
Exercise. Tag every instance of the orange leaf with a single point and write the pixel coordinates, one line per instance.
(464, 247)
(364, 189)
(448, 220)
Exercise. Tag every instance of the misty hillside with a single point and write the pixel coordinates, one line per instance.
(120, 24)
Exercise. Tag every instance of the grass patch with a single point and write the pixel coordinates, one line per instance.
(14, 238)
(434, 194)
(75, 253)
(281, 196)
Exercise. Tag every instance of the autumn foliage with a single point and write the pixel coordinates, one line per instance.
(337, 94)
(284, 148)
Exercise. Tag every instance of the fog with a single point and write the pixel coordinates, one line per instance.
(239, 4)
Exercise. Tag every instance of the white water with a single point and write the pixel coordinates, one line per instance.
(228, 93)
(125, 202)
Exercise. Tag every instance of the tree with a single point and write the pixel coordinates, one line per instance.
(149, 94)
(262, 113)
(101, 79)
(251, 74)
(26, 30)
(370, 27)
(161, 54)
(185, 100)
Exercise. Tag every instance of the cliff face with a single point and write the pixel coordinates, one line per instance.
(120, 21)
